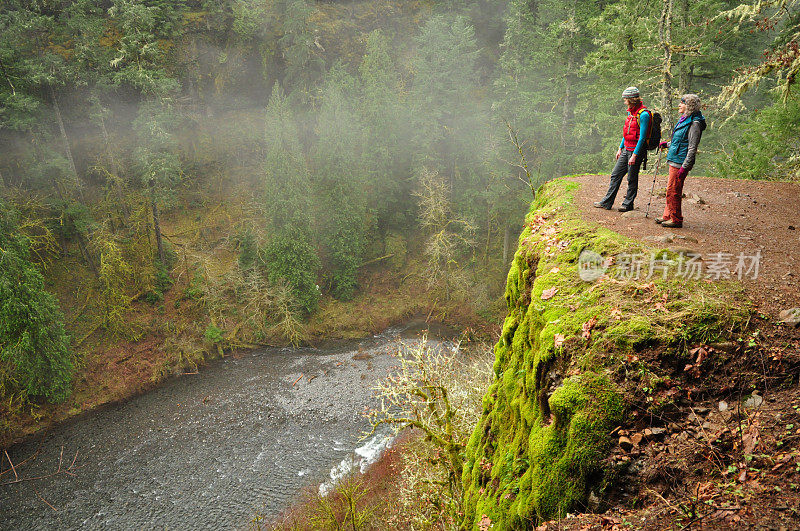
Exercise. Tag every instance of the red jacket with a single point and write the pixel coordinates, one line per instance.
(630, 131)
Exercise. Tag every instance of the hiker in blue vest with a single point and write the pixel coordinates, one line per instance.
(680, 157)
(631, 154)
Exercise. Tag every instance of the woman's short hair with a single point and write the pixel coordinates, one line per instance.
(692, 102)
(636, 100)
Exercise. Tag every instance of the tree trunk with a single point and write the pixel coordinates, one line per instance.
(506, 241)
(118, 190)
(665, 35)
(567, 111)
(65, 140)
(683, 71)
(78, 235)
(488, 232)
(157, 229)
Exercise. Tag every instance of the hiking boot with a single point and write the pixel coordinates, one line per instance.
(598, 204)
(625, 209)
(671, 224)
(659, 220)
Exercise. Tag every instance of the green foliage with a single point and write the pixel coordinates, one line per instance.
(290, 254)
(115, 275)
(339, 183)
(446, 121)
(765, 146)
(34, 349)
(781, 62)
(249, 258)
(138, 60)
(213, 334)
(304, 64)
(162, 282)
(290, 257)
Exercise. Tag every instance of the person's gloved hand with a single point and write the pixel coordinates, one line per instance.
(682, 173)
(663, 145)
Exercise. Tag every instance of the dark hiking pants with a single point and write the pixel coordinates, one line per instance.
(619, 171)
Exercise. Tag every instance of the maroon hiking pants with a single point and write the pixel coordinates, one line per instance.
(672, 212)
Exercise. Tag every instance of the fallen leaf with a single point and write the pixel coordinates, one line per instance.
(616, 313)
(548, 293)
(701, 355)
(485, 523)
(588, 326)
(555, 270)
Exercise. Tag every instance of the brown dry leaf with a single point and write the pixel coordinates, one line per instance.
(588, 326)
(555, 270)
(616, 313)
(751, 440)
(647, 287)
(559, 340)
(548, 293)
(659, 306)
(701, 352)
(485, 523)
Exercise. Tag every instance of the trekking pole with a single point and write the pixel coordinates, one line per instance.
(655, 176)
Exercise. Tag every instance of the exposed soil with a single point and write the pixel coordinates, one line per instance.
(733, 216)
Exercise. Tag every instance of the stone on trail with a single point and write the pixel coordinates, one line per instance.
(667, 238)
(790, 317)
(696, 200)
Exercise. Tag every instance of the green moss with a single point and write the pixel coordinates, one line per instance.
(536, 452)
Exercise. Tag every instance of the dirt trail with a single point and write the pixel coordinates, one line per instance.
(720, 216)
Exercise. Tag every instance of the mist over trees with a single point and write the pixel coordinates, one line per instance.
(340, 127)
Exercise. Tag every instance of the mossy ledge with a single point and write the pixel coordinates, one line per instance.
(538, 450)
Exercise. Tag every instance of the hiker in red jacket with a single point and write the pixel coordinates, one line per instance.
(632, 152)
(680, 157)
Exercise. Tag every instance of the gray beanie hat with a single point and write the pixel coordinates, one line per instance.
(630, 92)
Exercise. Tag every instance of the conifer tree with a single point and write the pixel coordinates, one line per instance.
(35, 357)
(290, 254)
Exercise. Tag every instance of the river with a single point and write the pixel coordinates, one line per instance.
(206, 451)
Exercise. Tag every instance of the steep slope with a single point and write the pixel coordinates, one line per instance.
(568, 354)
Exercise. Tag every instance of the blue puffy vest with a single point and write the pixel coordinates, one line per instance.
(679, 144)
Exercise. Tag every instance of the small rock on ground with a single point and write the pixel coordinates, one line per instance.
(790, 317)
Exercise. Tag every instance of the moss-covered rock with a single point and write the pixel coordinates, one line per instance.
(538, 449)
